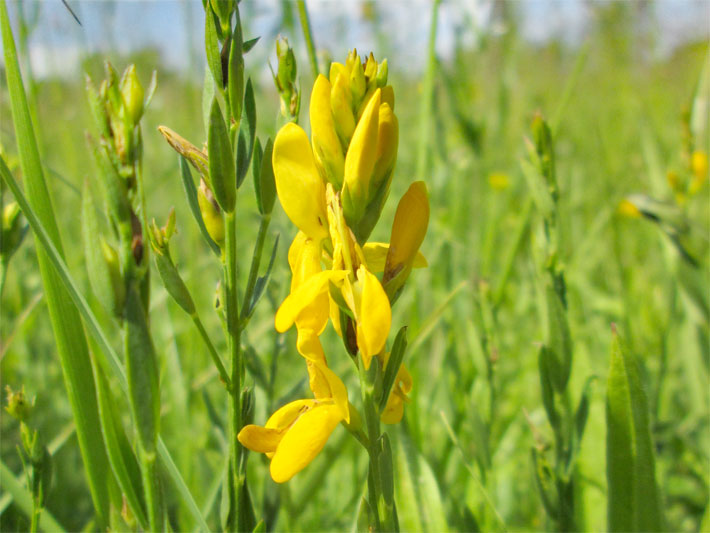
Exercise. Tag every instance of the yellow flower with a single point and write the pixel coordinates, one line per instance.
(408, 230)
(296, 433)
(373, 315)
(699, 165)
(327, 149)
(376, 255)
(298, 183)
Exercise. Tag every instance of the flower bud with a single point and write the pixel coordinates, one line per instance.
(17, 404)
(285, 79)
(341, 107)
(358, 84)
(327, 150)
(111, 259)
(12, 230)
(360, 162)
(196, 157)
(699, 166)
(133, 94)
(211, 214)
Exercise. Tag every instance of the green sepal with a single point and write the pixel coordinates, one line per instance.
(141, 371)
(247, 134)
(221, 160)
(545, 482)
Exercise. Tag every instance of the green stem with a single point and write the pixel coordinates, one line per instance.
(224, 376)
(383, 513)
(234, 333)
(153, 491)
(254, 269)
(308, 35)
(34, 521)
(427, 93)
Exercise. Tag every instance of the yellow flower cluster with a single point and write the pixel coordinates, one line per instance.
(333, 189)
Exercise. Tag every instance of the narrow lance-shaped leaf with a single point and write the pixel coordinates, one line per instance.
(633, 501)
(66, 323)
(395, 361)
(141, 371)
(559, 340)
(221, 160)
(235, 84)
(247, 133)
(214, 60)
(121, 457)
(264, 182)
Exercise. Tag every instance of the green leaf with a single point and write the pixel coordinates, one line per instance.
(538, 189)
(559, 340)
(141, 371)
(191, 195)
(247, 133)
(248, 45)
(633, 500)
(263, 281)
(548, 393)
(121, 457)
(395, 361)
(545, 483)
(173, 282)
(214, 59)
(66, 324)
(208, 94)
(235, 85)
(419, 501)
(221, 160)
(264, 182)
(108, 357)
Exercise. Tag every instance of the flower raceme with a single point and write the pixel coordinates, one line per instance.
(333, 189)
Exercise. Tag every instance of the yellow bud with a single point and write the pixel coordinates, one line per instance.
(387, 141)
(341, 107)
(388, 96)
(360, 161)
(338, 69)
(370, 68)
(408, 230)
(499, 181)
(211, 214)
(326, 146)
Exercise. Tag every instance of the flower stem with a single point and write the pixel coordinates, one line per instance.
(254, 269)
(382, 512)
(234, 346)
(224, 376)
(307, 34)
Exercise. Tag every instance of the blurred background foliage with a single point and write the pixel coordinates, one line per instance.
(615, 98)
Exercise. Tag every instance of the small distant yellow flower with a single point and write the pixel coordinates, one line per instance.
(628, 209)
(499, 181)
(699, 165)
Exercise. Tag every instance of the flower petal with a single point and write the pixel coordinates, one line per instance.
(303, 441)
(327, 150)
(408, 230)
(374, 317)
(260, 439)
(326, 384)
(311, 297)
(309, 346)
(376, 255)
(298, 184)
(288, 414)
(394, 410)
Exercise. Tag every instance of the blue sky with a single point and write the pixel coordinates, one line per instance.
(175, 27)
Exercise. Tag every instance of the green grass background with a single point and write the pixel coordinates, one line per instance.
(618, 132)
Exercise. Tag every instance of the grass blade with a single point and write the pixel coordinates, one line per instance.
(71, 343)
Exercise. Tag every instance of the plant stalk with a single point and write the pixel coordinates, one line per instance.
(308, 35)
